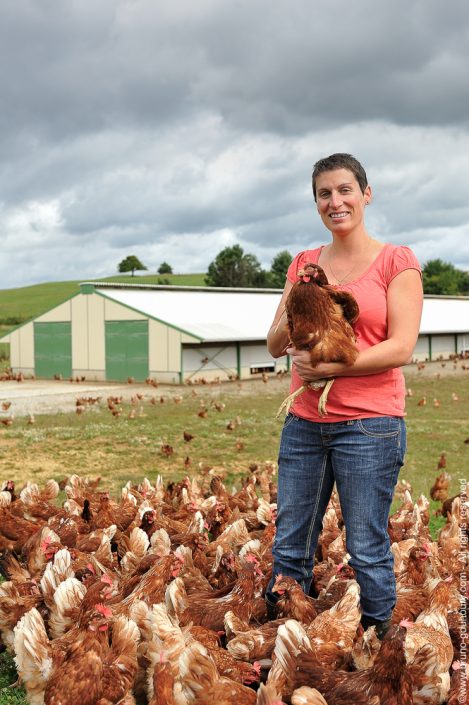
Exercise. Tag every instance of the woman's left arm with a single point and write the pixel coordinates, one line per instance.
(404, 302)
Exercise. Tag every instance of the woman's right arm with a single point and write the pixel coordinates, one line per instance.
(278, 339)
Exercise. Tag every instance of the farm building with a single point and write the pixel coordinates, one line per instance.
(175, 334)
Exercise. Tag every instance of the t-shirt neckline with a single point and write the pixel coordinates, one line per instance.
(367, 271)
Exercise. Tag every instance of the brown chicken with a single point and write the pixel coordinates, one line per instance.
(15, 530)
(320, 319)
(440, 488)
(292, 602)
(292, 645)
(208, 610)
(388, 678)
(202, 684)
(431, 627)
(340, 623)
(81, 670)
(163, 683)
(249, 644)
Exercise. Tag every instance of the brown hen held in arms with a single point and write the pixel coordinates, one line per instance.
(320, 319)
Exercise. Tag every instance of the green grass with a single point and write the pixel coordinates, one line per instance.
(120, 449)
(9, 696)
(124, 448)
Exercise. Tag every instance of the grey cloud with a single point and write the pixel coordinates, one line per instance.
(134, 124)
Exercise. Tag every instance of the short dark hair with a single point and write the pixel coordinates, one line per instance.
(340, 160)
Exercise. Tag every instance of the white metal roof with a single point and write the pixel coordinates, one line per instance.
(445, 314)
(211, 315)
(239, 314)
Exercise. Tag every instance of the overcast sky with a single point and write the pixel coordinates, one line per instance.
(171, 130)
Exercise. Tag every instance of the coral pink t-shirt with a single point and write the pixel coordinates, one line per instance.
(381, 394)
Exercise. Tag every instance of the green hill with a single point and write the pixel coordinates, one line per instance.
(19, 305)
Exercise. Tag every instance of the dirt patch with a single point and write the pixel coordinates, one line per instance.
(35, 397)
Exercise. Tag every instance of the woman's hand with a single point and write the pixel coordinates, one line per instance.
(302, 361)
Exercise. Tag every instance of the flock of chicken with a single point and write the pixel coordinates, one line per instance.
(158, 598)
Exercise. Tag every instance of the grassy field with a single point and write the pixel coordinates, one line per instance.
(124, 448)
(121, 449)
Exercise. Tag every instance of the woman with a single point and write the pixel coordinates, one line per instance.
(360, 444)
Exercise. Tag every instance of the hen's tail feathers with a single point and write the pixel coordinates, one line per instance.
(125, 635)
(67, 600)
(198, 671)
(307, 696)
(267, 694)
(291, 639)
(33, 655)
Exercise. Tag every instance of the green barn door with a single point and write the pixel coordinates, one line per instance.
(126, 350)
(53, 349)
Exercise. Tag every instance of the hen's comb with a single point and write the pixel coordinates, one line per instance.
(251, 558)
(106, 579)
(45, 543)
(102, 609)
(90, 567)
(406, 623)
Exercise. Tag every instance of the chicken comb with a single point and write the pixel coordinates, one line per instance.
(106, 579)
(251, 558)
(406, 623)
(102, 609)
(45, 543)
(90, 567)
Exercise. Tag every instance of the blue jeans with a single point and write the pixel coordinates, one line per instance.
(363, 457)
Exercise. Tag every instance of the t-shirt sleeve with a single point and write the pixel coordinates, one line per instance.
(402, 258)
(292, 272)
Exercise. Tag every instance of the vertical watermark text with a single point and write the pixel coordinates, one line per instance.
(463, 589)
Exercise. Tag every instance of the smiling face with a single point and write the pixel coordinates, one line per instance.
(340, 201)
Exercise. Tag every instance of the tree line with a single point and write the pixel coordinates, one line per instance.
(232, 267)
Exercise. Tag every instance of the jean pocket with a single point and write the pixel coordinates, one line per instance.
(380, 426)
(288, 419)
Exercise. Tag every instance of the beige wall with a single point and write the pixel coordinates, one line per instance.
(22, 349)
(57, 314)
(80, 357)
(96, 345)
(164, 345)
(117, 312)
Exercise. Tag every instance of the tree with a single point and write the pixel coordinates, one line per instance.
(130, 264)
(278, 269)
(165, 268)
(444, 278)
(231, 267)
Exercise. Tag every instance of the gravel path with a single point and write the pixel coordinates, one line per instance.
(52, 397)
